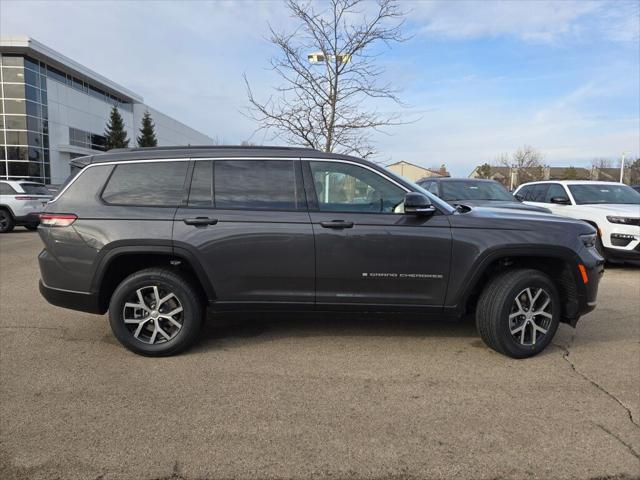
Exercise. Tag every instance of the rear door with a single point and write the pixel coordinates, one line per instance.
(367, 251)
(246, 222)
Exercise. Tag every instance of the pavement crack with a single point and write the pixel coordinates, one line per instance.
(610, 433)
(565, 356)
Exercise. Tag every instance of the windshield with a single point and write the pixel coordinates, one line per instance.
(470, 190)
(35, 189)
(604, 193)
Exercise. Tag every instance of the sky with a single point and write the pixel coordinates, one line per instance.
(477, 79)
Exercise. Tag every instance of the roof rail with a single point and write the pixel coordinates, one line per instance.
(207, 147)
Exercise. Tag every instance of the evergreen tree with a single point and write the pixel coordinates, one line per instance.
(116, 135)
(484, 170)
(147, 136)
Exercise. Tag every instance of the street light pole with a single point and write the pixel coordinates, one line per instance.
(622, 168)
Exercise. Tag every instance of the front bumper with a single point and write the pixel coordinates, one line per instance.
(81, 301)
(621, 254)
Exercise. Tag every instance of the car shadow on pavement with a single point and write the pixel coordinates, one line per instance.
(267, 327)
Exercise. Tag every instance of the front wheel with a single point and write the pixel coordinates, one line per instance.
(518, 313)
(155, 312)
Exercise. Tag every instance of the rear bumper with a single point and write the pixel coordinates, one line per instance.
(81, 301)
(29, 219)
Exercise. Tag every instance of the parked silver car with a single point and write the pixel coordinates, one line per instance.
(21, 202)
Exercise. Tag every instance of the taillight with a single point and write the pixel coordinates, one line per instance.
(24, 197)
(57, 219)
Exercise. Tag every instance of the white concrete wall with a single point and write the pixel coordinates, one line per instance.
(69, 107)
(168, 130)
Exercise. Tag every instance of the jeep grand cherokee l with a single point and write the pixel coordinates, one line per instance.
(157, 236)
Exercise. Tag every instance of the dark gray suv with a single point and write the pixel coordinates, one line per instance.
(158, 236)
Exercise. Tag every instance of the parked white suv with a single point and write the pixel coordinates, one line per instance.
(613, 208)
(21, 202)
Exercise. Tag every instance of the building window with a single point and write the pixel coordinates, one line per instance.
(24, 140)
(84, 139)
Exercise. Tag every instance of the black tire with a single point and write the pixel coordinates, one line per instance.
(185, 297)
(498, 301)
(6, 221)
(31, 227)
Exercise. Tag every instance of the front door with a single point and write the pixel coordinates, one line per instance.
(246, 221)
(367, 250)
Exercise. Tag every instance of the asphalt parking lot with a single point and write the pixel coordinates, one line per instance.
(333, 398)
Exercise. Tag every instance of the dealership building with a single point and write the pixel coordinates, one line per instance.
(53, 109)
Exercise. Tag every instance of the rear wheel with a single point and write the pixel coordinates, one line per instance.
(518, 313)
(155, 312)
(6, 221)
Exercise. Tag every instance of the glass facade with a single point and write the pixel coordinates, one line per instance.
(81, 138)
(24, 126)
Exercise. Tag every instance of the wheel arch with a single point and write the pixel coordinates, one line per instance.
(559, 263)
(6, 207)
(118, 262)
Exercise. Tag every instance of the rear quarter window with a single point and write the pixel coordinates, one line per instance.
(6, 189)
(157, 184)
(35, 189)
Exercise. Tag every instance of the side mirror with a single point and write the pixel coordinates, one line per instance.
(561, 200)
(417, 204)
(519, 197)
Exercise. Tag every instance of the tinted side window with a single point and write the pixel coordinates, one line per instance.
(6, 189)
(538, 192)
(201, 192)
(523, 193)
(35, 189)
(257, 185)
(146, 184)
(555, 190)
(430, 187)
(345, 187)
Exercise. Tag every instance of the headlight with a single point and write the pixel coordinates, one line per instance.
(623, 220)
(589, 239)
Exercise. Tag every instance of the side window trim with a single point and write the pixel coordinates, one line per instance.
(310, 189)
(567, 191)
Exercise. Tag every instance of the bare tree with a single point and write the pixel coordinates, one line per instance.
(504, 159)
(601, 163)
(527, 161)
(328, 73)
(524, 157)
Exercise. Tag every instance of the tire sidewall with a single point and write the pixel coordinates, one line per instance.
(9, 221)
(191, 314)
(505, 339)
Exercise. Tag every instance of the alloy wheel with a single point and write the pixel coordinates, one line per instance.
(153, 314)
(530, 316)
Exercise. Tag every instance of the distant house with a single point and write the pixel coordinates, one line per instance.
(415, 172)
(567, 173)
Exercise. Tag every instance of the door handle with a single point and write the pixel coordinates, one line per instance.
(200, 221)
(337, 224)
